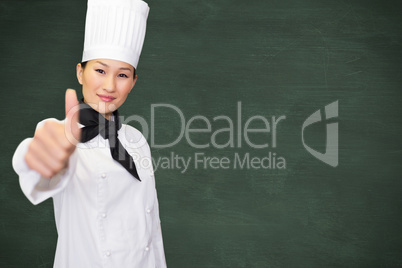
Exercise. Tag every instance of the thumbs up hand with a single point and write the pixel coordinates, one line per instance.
(53, 143)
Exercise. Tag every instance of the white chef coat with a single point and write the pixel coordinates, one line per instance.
(104, 216)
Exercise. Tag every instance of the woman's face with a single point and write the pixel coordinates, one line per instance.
(106, 84)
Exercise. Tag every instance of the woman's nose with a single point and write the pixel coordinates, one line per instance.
(109, 83)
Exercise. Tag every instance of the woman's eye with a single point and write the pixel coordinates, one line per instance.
(100, 71)
(123, 75)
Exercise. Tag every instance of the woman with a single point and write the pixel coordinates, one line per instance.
(94, 167)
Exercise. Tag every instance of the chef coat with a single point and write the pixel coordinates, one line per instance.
(104, 216)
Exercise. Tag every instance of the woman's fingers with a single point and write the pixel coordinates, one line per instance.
(48, 148)
(36, 163)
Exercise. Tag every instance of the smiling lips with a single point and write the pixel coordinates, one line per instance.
(106, 98)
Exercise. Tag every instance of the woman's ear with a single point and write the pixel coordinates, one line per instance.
(79, 73)
(134, 81)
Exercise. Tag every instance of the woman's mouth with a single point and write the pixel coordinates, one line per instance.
(106, 98)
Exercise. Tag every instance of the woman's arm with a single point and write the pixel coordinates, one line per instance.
(42, 161)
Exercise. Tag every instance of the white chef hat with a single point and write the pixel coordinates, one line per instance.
(115, 29)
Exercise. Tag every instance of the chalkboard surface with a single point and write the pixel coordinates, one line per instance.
(248, 173)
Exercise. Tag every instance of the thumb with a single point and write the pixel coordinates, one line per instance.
(73, 132)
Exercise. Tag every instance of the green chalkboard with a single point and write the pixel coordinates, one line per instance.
(248, 74)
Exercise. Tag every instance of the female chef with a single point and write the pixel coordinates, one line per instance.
(92, 165)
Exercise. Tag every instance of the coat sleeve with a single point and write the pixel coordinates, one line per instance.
(36, 188)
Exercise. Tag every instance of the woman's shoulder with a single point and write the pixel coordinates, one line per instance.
(133, 137)
(131, 132)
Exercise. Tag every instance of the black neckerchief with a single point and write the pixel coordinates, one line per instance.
(94, 124)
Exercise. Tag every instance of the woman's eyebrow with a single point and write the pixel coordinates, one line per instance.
(126, 68)
(104, 64)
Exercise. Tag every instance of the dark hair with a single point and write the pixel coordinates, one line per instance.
(83, 64)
